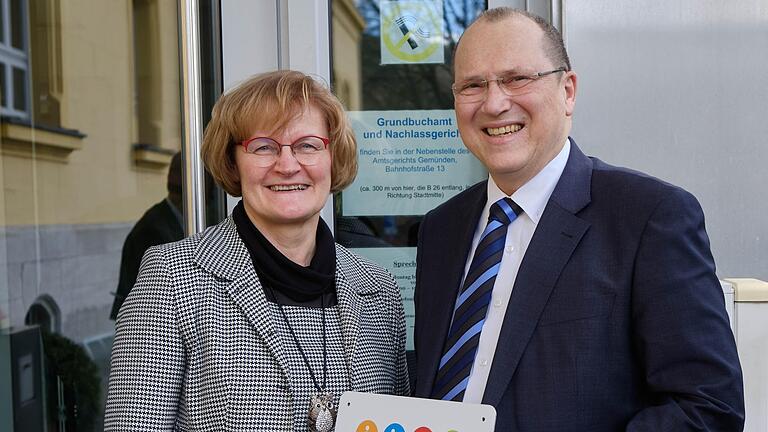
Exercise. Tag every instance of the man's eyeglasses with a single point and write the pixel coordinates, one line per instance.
(476, 90)
(307, 150)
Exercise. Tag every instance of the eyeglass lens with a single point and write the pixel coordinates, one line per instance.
(476, 90)
(306, 150)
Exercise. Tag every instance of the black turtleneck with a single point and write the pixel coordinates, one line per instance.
(291, 283)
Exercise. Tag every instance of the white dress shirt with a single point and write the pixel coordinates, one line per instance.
(532, 197)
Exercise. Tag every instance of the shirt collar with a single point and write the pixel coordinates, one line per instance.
(533, 196)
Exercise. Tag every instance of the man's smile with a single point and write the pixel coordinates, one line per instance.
(503, 130)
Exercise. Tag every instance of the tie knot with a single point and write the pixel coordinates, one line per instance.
(504, 210)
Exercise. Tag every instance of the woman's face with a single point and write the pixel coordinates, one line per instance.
(286, 193)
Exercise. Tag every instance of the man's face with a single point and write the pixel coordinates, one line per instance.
(514, 136)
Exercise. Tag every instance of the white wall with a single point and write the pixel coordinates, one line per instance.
(678, 90)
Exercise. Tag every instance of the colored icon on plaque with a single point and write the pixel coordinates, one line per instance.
(423, 429)
(395, 427)
(367, 426)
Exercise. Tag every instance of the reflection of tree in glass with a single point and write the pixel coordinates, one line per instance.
(411, 86)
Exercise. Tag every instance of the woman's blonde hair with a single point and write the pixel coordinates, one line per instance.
(269, 102)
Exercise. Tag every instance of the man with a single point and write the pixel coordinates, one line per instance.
(162, 223)
(589, 301)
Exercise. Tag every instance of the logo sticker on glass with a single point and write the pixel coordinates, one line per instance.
(412, 32)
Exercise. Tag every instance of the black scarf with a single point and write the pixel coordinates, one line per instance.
(291, 283)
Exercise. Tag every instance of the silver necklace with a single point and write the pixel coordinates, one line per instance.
(322, 411)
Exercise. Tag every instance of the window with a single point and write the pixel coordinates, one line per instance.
(45, 313)
(157, 135)
(14, 59)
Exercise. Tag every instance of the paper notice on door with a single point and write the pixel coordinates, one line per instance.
(409, 163)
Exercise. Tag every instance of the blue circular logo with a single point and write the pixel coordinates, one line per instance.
(395, 427)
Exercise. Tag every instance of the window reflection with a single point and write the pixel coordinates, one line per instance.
(367, 81)
(90, 120)
(363, 83)
(14, 64)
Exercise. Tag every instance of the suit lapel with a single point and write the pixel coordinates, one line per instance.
(445, 268)
(242, 283)
(246, 292)
(353, 285)
(350, 310)
(557, 235)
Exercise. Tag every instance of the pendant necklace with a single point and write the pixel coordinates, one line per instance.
(322, 411)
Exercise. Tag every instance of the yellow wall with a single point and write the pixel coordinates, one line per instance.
(100, 182)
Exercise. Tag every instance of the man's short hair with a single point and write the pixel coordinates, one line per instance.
(554, 47)
(269, 102)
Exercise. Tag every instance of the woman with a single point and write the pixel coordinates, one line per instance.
(260, 322)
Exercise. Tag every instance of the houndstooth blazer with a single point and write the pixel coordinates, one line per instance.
(195, 347)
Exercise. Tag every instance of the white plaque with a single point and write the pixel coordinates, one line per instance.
(369, 412)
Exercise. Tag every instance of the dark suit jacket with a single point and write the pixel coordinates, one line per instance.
(616, 320)
(157, 226)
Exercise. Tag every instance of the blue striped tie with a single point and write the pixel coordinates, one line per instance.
(472, 304)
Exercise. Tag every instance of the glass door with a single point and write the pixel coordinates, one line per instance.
(389, 63)
(392, 70)
(91, 175)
